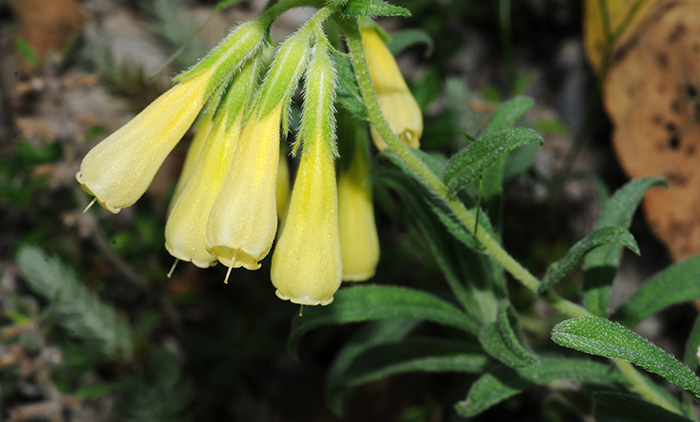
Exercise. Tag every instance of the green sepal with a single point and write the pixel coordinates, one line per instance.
(604, 235)
(232, 52)
(602, 337)
(239, 92)
(501, 339)
(500, 384)
(284, 74)
(318, 112)
(675, 284)
(373, 8)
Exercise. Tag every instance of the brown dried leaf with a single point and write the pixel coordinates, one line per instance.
(621, 16)
(652, 94)
(48, 25)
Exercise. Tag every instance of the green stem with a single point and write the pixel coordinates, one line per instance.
(492, 247)
(274, 11)
(642, 386)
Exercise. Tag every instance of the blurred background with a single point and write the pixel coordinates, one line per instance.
(90, 327)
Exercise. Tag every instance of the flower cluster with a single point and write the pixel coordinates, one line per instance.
(233, 194)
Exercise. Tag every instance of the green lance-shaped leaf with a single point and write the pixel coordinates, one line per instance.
(467, 274)
(503, 383)
(468, 164)
(601, 264)
(690, 358)
(604, 235)
(373, 8)
(408, 38)
(410, 355)
(368, 303)
(676, 284)
(347, 91)
(612, 406)
(692, 346)
(367, 337)
(79, 311)
(602, 337)
(506, 115)
(502, 340)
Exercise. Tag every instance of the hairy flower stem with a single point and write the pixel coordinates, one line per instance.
(638, 382)
(491, 245)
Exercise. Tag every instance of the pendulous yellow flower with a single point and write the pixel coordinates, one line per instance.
(359, 243)
(243, 220)
(186, 228)
(306, 264)
(118, 170)
(399, 107)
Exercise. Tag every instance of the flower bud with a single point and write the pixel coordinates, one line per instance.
(399, 107)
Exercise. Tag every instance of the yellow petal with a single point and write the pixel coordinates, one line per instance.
(192, 156)
(359, 243)
(399, 107)
(306, 264)
(282, 191)
(118, 170)
(243, 220)
(186, 229)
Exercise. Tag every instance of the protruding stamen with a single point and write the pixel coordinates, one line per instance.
(90, 205)
(172, 269)
(228, 273)
(301, 310)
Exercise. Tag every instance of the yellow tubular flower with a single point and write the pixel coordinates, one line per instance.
(282, 191)
(186, 229)
(306, 264)
(192, 156)
(398, 105)
(119, 169)
(243, 220)
(359, 243)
